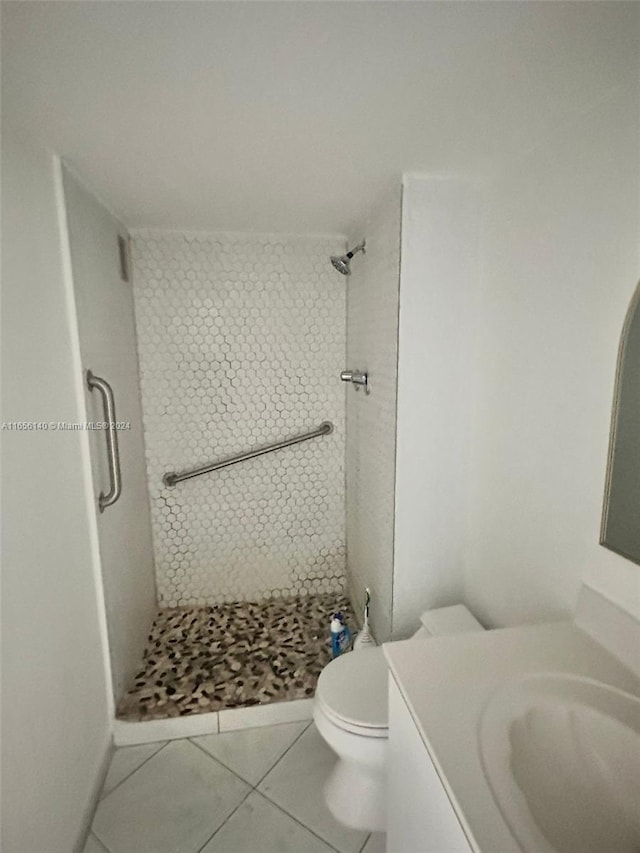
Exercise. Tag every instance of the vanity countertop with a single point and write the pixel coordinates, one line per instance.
(446, 683)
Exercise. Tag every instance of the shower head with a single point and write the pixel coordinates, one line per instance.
(341, 262)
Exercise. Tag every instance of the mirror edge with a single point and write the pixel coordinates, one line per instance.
(634, 305)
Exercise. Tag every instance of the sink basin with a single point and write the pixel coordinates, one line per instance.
(561, 755)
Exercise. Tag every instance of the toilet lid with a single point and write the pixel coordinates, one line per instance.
(353, 687)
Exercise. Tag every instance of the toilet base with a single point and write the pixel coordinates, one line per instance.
(355, 791)
(356, 796)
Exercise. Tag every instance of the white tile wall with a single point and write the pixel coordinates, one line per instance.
(241, 341)
(372, 336)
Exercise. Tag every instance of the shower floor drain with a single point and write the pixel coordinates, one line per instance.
(201, 659)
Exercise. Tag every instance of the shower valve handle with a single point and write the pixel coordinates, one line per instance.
(358, 378)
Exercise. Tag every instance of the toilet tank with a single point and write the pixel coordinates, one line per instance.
(447, 620)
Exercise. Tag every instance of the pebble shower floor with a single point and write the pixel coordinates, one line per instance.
(201, 659)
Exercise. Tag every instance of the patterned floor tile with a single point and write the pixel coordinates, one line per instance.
(232, 655)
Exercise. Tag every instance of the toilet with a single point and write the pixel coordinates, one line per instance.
(350, 712)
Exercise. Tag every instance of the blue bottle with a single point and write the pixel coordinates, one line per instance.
(340, 635)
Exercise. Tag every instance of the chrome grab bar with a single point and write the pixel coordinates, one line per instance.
(113, 453)
(171, 478)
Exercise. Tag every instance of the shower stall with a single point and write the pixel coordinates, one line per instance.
(220, 356)
(246, 490)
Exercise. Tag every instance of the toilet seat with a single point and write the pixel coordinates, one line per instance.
(352, 728)
(352, 693)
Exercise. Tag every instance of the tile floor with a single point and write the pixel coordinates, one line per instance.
(250, 791)
(203, 659)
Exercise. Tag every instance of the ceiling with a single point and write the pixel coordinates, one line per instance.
(292, 116)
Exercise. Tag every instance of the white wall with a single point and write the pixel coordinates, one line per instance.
(242, 340)
(214, 125)
(106, 325)
(562, 262)
(55, 695)
(439, 288)
(372, 345)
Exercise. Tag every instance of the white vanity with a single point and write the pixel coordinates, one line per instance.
(517, 740)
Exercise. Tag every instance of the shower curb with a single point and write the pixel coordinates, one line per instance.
(127, 733)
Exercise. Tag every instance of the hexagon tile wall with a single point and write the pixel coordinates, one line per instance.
(241, 341)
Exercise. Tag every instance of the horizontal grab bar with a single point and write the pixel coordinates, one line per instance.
(171, 478)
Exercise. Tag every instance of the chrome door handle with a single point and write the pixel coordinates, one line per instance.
(113, 453)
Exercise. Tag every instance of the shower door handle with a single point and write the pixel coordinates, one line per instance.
(113, 453)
